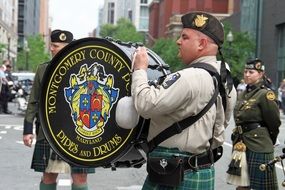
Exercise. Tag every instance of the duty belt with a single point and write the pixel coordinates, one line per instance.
(197, 162)
(247, 127)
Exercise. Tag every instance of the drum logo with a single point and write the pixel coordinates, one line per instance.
(91, 95)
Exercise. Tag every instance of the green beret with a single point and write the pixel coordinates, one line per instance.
(61, 36)
(205, 23)
(255, 64)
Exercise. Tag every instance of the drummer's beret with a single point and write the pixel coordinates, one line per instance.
(205, 23)
(255, 64)
(62, 36)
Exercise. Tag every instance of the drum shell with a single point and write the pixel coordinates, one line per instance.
(66, 116)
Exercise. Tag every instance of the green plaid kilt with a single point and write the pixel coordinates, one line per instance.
(261, 180)
(42, 154)
(203, 179)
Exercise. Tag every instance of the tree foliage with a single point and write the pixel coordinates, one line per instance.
(124, 31)
(2, 46)
(36, 54)
(236, 53)
(167, 49)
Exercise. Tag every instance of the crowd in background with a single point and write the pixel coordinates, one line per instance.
(5, 81)
(281, 96)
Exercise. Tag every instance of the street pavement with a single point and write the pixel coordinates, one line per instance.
(15, 160)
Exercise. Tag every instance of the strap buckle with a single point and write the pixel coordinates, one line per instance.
(194, 168)
(239, 129)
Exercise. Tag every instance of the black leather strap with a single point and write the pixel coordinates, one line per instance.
(250, 126)
(178, 127)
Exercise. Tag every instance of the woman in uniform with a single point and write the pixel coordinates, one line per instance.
(257, 119)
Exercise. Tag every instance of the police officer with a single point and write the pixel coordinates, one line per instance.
(44, 159)
(185, 93)
(258, 119)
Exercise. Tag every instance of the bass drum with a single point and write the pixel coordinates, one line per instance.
(81, 88)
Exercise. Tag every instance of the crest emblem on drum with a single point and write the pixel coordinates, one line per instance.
(91, 95)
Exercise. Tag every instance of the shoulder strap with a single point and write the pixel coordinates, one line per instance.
(227, 79)
(178, 127)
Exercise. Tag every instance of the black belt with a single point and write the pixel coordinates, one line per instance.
(197, 162)
(249, 126)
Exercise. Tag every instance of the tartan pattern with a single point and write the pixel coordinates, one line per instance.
(203, 179)
(41, 156)
(261, 180)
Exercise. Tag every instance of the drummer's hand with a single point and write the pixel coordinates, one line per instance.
(140, 59)
(28, 139)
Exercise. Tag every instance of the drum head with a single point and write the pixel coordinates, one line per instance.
(81, 88)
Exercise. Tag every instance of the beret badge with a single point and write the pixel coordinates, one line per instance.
(258, 66)
(62, 37)
(200, 21)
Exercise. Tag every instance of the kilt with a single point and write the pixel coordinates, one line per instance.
(203, 179)
(41, 157)
(261, 180)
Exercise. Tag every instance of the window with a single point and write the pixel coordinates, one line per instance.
(130, 15)
(111, 13)
(281, 52)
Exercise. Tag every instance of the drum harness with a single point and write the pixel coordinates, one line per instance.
(213, 155)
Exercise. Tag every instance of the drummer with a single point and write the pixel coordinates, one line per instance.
(44, 159)
(185, 93)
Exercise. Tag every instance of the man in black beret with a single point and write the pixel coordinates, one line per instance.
(46, 160)
(61, 36)
(186, 93)
(205, 23)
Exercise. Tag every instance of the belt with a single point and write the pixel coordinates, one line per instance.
(248, 127)
(196, 162)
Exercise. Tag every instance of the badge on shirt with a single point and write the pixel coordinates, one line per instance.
(170, 80)
(270, 95)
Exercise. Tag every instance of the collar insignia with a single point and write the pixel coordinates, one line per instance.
(200, 21)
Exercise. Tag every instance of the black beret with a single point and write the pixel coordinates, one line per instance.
(255, 64)
(61, 36)
(205, 23)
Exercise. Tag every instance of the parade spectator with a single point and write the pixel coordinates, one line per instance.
(241, 87)
(8, 72)
(281, 93)
(2, 75)
(257, 119)
(4, 95)
(44, 159)
(182, 94)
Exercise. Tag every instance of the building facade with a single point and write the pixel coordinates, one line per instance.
(8, 29)
(28, 20)
(265, 22)
(169, 13)
(44, 24)
(137, 11)
(271, 39)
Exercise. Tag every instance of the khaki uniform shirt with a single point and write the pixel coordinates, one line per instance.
(181, 95)
(32, 111)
